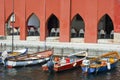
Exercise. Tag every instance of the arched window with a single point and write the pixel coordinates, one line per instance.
(9, 25)
(53, 26)
(33, 25)
(77, 26)
(105, 27)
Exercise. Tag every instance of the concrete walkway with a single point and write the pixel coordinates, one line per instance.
(64, 45)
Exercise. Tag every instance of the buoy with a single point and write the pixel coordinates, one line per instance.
(108, 66)
(112, 60)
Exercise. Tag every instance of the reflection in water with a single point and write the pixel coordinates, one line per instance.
(11, 72)
(36, 73)
(108, 76)
(51, 76)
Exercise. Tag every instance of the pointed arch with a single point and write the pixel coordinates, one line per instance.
(33, 25)
(8, 18)
(9, 26)
(53, 25)
(105, 25)
(77, 26)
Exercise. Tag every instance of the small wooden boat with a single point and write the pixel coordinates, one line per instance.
(69, 62)
(13, 54)
(29, 59)
(103, 63)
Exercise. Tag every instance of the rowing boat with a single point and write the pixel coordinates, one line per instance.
(102, 63)
(29, 59)
(69, 62)
(13, 54)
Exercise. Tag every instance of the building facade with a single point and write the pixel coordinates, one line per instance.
(88, 20)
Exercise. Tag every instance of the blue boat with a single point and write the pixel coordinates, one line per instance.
(103, 63)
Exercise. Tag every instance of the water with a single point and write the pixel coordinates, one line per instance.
(36, 73)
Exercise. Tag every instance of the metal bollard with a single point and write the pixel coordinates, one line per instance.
(38, 48)
(5, 47)
(62, 51)
(1, 47)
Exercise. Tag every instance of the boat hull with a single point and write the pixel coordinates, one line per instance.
(67, 66)
(65, 63)
(100, 69)
(58, 68)
(12, 64)
(29, 59)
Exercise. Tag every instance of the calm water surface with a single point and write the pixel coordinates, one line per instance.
(36, 73)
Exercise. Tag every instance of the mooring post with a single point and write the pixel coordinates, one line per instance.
(87, 50)
(73, 50)
(62, 52)
(1, 47)
(5, 47)
(38, 48)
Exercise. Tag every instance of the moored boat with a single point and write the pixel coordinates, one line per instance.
(68, 62)
(29, 59)
(102, 63)
(13, 54)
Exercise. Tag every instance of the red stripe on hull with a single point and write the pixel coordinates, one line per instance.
(67, 66)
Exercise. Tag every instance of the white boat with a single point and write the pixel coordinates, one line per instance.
(12, 54)
(29, 59)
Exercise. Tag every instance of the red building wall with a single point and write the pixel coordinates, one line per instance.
(64, 10)
(8, 9)
(117, 16)
(52, 7)
(2, 18)
(65, 21)
(91, 21)
(37, 8)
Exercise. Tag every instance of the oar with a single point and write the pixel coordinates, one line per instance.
(75, 63)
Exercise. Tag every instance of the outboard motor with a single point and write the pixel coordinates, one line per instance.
(86, 63)
(50, 65)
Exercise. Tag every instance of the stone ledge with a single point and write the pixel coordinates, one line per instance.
(117, 37)
(2, 37)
